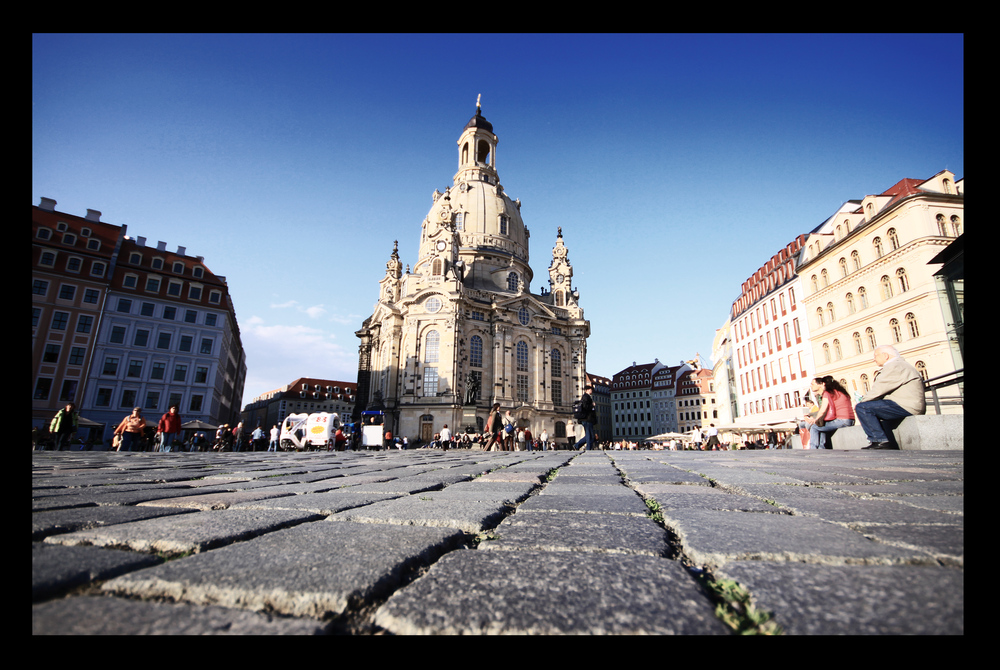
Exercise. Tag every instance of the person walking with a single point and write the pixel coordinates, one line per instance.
(238, 437)
(543, 440)
(168, 428)
(586, 414)
(130, 430)
(834, 407)
(445, 438)
(275, 436)
(64, 426)
(896, 393)
(712, 444)
(508, 431)
(494, 429)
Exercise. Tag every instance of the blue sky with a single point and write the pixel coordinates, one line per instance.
(676, 165)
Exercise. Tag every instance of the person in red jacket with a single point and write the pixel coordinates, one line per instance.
(169, 428)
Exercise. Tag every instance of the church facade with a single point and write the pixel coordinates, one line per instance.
(462, 330)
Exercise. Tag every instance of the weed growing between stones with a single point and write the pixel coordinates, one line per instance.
(735, 609)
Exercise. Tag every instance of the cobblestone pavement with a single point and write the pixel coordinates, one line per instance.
(472, 542)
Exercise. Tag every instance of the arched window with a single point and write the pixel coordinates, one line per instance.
(436, 267)
(826, 352)
(560, 301)
(843, 267)
(431, 346)
(897, 334)
(922, 369)
(850, 303)
(893, 238)
(858, 348)
(886, 287)
(864, 384)
(877, 246)
(522, 356)
(829, 312)
(904, 283)
(556, 361)
(460, 221)
(870, 334)
(942, 225)
(476, 351)
(819, 317)
(838, 353)
(856, 259)
(911, 322)
(956, 226)
(512, 281)
(825, 277)
(814, 282)
(863, 298)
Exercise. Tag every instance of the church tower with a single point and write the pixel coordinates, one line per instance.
(465, 315)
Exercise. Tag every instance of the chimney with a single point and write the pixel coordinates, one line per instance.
(93, 215)
(181, 251)
(48, 204)
(141, 241)
(161, 246)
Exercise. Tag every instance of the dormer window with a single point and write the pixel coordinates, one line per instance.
(504, 220)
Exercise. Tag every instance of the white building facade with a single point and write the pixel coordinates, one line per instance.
(772, 357)
(868, 280)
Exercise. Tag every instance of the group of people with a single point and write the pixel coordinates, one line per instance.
(503, 434)
(896, 393)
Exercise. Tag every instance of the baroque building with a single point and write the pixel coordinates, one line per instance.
(869, 278)
(462, 329)
(117, 324)
(771, 353)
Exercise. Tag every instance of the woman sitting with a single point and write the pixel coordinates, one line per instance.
(835, 408)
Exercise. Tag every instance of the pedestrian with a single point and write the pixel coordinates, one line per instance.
(494, 429)
(130, 430)
(712, 444)
(696, 438)
(896, 393)
(543, 439)
(275, 439)
(238, 437)
(168, 428)
(508, 431)
(340, 440)
(257, 436)
(528, 439)
(64, 426)
(586, 414)
(834, 407)
(445, 438)
(812, 411)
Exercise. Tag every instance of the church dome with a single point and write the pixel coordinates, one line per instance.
(479, 121)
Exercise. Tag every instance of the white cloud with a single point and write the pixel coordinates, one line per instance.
(280, 354)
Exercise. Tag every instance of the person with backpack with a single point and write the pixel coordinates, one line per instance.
(585, 412)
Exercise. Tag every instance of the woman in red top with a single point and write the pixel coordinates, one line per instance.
(835, 408)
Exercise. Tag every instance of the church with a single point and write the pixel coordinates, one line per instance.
(462, 330)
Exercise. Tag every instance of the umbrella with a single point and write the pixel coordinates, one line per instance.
(197, 425)
(667, 436)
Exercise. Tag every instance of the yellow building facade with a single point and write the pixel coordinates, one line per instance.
(868, 280)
